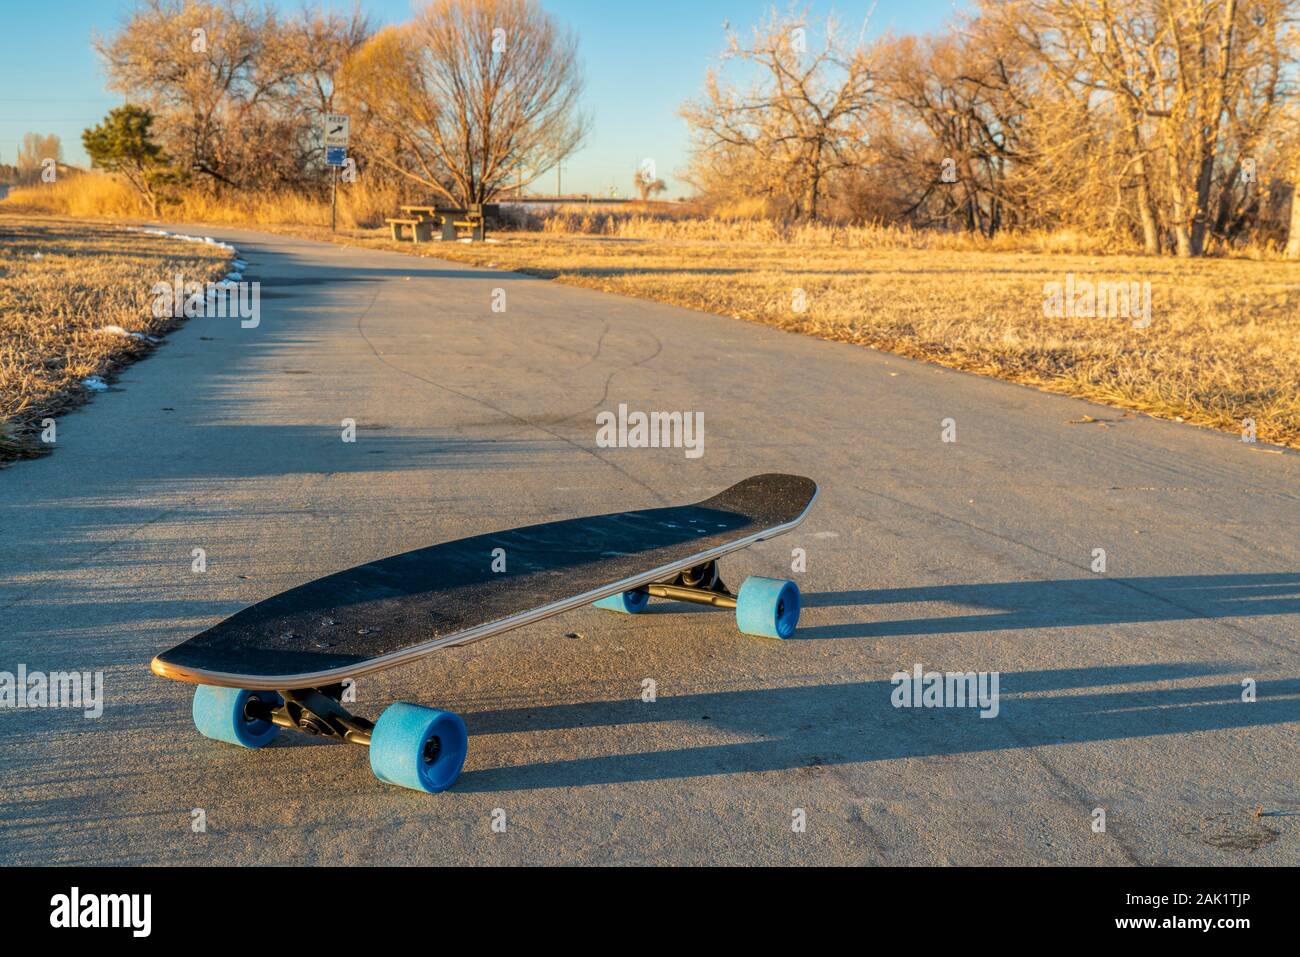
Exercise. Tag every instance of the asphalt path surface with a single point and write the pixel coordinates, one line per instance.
(1119, 689)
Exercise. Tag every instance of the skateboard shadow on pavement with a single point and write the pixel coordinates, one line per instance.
(1008, 606)
(813, 727)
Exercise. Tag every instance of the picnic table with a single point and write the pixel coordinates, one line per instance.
(420, 219)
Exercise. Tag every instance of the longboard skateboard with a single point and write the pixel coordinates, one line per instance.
(282, 663)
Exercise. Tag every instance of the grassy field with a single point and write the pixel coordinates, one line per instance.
(61, 284)
(1222, 344)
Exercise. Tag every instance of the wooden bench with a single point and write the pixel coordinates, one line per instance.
(415, 226)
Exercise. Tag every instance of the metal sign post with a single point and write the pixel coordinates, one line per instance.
(336, 129)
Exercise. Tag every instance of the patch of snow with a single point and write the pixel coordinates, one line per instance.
(119, 331)
(183, 237)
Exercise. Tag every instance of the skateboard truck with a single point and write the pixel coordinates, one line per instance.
(701, 585)
(315, 711)
(766, 607)
(413, 746)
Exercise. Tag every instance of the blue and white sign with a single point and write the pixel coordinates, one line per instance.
(336, 156)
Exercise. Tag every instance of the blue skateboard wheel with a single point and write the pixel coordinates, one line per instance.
(768, 607)
(628, 602)
(418, 748)
(219, 713)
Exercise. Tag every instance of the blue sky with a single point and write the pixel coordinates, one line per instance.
(641, 61)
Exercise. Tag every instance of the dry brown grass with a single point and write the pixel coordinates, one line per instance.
(1223, 344)
(632, 225)
(60, 283)
(95, 195)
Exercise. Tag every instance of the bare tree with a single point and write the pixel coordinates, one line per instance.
(35, 149)
(1188, 85)
(315, 47)
(797, 125)
(1086, 147)
(469, 96)
(948, 127)
(647, 185)
(238, 91)
(204, 68)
